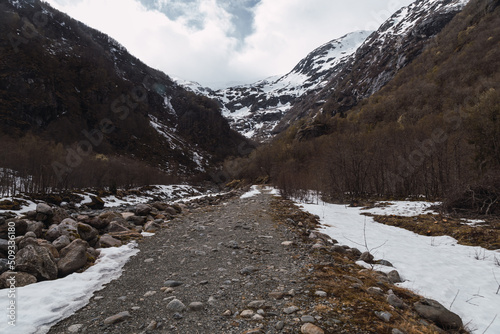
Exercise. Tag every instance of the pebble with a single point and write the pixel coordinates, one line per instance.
(277, 294)
(320, 293)
(75, 328)
(149, 293)
(287, 243)
(167, 290)
(178, 316)
(384, 316)
(256, 303)
(311, 329)
(195, 306)
(375, 290)
(307, 318)
(117, 318)
(152, 326)
(291, 309)
(279, 325)
(247, 314)
(149, 260)
(257, 317)
(172, 283)
(176, 306)
(227, 313)
(248, 270)
(395, 301)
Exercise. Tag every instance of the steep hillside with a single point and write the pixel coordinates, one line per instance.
(255, 109)
(64, 82)
(393, 46)
(433, 130)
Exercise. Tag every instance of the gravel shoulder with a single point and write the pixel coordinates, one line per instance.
(242, 266)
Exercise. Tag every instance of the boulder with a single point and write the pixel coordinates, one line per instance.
(21, 226)
(142, 209)
(59, 215)
(38, 261)
(106, 241)
(54, 251)
(4, 265)
(153, 226)
(109, 216)
(394, 277)
(116, 227)
(36, 227)
(69, 227)
(97, 223)
(137, 220)
(73, 257)
(171, 211)
(126, 235)
(25, 241)
(61, 242)
(21, 279)
(437, 313)
(367, 257)
(160, 206)
(96, 204)
(53, 233)
(86, 231)
(45, 209)
(4, 246)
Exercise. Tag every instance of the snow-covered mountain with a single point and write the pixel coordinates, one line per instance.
(398, 41)
(255, 109)
(335, 76)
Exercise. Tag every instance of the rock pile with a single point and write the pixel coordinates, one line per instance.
(52, 242)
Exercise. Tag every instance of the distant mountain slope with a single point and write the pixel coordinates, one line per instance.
(255, 109)
(394, 45)
(65, 82)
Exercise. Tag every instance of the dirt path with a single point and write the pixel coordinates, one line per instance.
(225, 256)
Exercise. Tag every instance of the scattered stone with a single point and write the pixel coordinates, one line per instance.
(338, 249)
(149, 293)
(195, 306)
(227, 313)
(248, 270)
(106, 241)
(375, 291)
(311, 329)
(277, 294)
(437, 313)
(307, 318)
(367, 257)
(247, 314)
(394, 277)
(142, 209)
(395, 301)
(290, 310)
(75, 328)
(253, 331)
(397, 331)
(45, 209)
(257, 317)
(178, 316)
(384, 263)
(287, 243)
(384, 316)
(256, 304)
(152, 326)
(172, 283)
(279, 325)
(176, 306)
(320, 293)
(117, 318)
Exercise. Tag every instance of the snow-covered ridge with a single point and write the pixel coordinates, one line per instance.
(255, 109)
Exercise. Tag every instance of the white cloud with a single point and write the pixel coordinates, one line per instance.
(284, 31)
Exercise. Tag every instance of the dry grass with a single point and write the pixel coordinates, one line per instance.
(485, 235)
(350, 307)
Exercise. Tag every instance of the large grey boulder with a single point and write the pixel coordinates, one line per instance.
(36, 227)
(17, 279)
(142, 209)
(106, 241)
(45, 209)
(437, 313)
(61, 242)
(86, 231)
(38, 261)
(73, 257)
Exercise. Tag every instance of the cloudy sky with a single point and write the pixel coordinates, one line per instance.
(222, 42)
